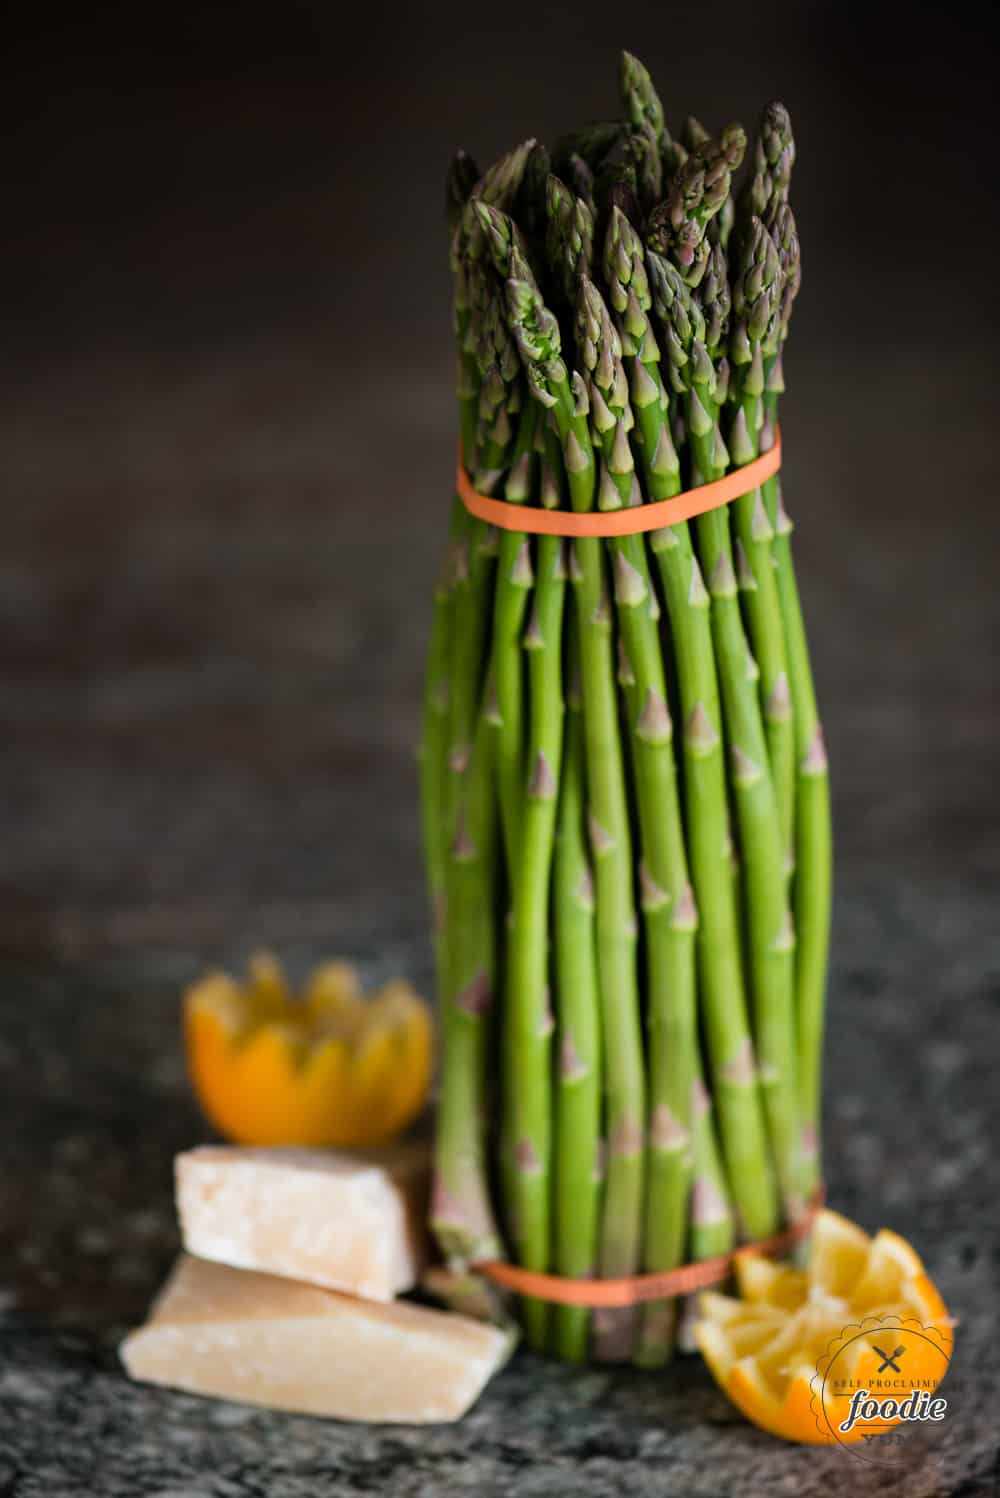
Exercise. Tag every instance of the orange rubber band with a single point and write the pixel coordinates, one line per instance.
(627, 522)
(661, 1285)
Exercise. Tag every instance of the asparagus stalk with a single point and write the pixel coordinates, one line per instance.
(527, 1007)
(669, 912)
(483, 458)
(461, 1210)
(570, 239)
(712, 1227)
(814, 858)
(770, 933)
(433, 758)
(515, 575)
(812, 889)
(515, 569)
(773, 160)
(771, 939)
(578, 1032)
(433, 751)
(705, 801)
(713, 1230)
(538, 338)
(527, 1014)
(756, 305)
(462, 1214)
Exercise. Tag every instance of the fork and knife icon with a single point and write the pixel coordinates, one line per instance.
(888, 1358)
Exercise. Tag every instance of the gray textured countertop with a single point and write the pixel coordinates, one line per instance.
(95, 1105)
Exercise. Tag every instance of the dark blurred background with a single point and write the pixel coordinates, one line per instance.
(227, 425)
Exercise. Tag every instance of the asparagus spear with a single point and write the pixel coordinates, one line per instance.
(616, 181)
(528, 1014)
(774, 159)
(462, 1215)
(774, 150)
(569, 238)
(648, 168)
(580, 180)
(720, 226)
(515, 572)
(538, 338)
(814, 872)
(639, 96)
(812, 887)
(781, 223)
(644, 112)
(756, 307)
(433, 756)
(471, 612)
(678, 226)
(578, 1034)
(669, 912)
(501, 383)
(694, 136)
(461, 178)
(719, 956)
(515, 575)
(531, 204)
(771, 937)
(461, 1211)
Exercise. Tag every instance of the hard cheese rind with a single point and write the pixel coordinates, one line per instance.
(269, 1341)
(347, 1222)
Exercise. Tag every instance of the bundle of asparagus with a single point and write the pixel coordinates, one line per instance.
(631, 918)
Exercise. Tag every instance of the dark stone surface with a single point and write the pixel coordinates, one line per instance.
(227, 434)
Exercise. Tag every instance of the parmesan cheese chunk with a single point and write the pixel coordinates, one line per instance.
(268, 1341)
(347, 1222)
